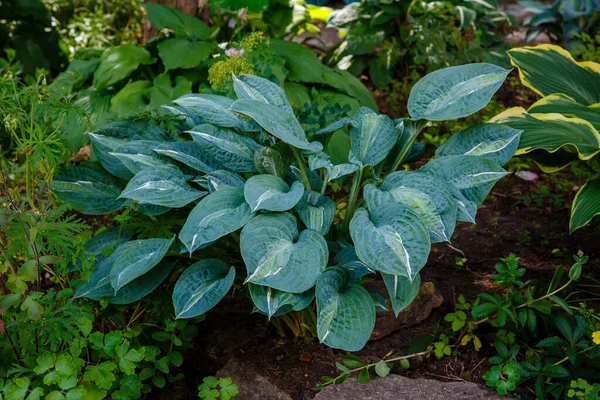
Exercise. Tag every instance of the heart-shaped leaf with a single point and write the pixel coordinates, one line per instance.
(494, 141)
(214, 110)
(402, 291)
(201, 287)
(180, 23)
(188, 153)
(261, 89)
(276, 256)
(345, 311)
(118, 62)
(275, 303)
(271, 193)
(455, 92)
(215, 216)
(391, 239)
(184, 53)
(372, 140)
(316, 211)
(161, 186)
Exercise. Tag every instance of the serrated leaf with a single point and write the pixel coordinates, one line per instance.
(316, 211)
(271, 193)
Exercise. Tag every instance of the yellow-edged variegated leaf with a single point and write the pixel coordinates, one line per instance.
(563, 104)
(548, 69)
(586, 204)
(552, 132)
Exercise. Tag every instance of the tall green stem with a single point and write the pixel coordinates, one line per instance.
(302, 167)
(356, 181)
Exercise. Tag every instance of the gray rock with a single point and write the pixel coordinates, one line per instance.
(251, 385)
(402, 388)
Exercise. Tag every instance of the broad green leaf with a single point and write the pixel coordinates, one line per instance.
(347, 83)
(201, 287)
(271, 193)
(118, 62)
(302, 63)
(455, 92)
(552, 132)
(316, 211)
(181, 23)
(274, 160)
(277, 256)
(138, 155)
(185, 119)
(137, 259)
(215, 110)
(184, 53)
(161, 186)
(142, 286)
(164, 92)
(372, 139)
(103, 146)
(225, 148)
(275, 303)
(562, 104)
(132, 100)
(473, 176)
(391, 238)
(321, 160)
(215, 216)
(345, 311)
(586, 205)
(189, 153)
(348, 260)
(402, 291)
(429, 197)
(261, 89)
(494, 141)
(548, 69)
(88, 189)
(219, 179)
(276, 122)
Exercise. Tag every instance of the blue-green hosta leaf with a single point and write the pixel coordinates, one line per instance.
(275, 303)
(161, 186)
(225, 148)
(151, 209)
(271, 193)
(345, 311)
(143, 285)
(110, 238)
(473, 176)
(215, 110)
(219, 179)
(372, 140)
(103, 147)
(215, 216)
(134, 130)
(316, 211)
(274, 160)
(138, 258)
(189, 153)
(402, 291)
(391, 239)
(261, 89)
(438, 208)
(88, 189)
(276, 122)
(201, 287)
(321, 160)
(185, 119)
(348, 260)
(354, 121)
(494, 141)
(276, 256)
(139, 155)
(455, 92)
(295, 175)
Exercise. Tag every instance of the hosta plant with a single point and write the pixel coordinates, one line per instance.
(563, 127)
(247, 192)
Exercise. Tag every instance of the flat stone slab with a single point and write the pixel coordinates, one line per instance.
(251, 385)
(403, 388)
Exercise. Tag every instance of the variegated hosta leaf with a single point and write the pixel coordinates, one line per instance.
(103, 147)
(348, 260)
(391, 239)
(138, 258)
(201, 287)
(188, 153)
(321, 160)
(586, 205)
(473, 176)
(219, 179)
(316, 211)
(143, 285)
(185, 119)
(563, 104)
(134, 130)
(88, 189)
(494, 141)
(261, 89)
(215, 110)
(438, 195)
(161, 186)
(345, 311)
(274, 160)
(549, 69)
(277, 122)
(139, 155)
(372, 140)
(225, 148)
(551, 132)
(354, 121)
(215, 216)
(276, 256)
(271, 193)
(402, 291)
(275, 303)
(455, 92)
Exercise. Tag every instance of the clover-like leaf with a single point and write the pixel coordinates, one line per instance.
(316, 211)
(277, 256)
(271, 193)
